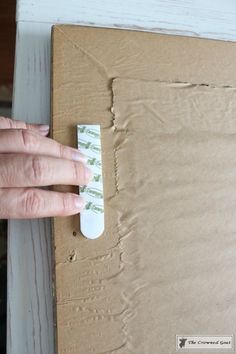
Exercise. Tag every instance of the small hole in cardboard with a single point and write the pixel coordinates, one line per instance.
(72, 256)
(74, 233)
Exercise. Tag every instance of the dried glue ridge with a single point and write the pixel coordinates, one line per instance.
(127, 310)
(114, 128)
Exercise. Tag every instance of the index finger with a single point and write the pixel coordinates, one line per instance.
(8, 123)
(25, 141)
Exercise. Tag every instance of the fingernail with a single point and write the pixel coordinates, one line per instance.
(88, 174)
(79, 202)
(78, 156)
(44, 128)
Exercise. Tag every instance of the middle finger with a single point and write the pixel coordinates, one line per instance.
(33, 170)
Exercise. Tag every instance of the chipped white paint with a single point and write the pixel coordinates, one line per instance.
(204, 18)
(30, 315)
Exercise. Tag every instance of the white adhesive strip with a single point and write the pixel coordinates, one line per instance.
(92, 217)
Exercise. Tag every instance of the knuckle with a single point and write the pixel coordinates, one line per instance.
(77, 171)
(7, 172)
(62, 151)
(29, 139)
(37, 170)
(64, 203)
(32, 203)
(10, 123)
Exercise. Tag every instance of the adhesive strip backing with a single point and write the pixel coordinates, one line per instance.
(92, 217)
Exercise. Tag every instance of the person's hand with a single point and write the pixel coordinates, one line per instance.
(28, 159)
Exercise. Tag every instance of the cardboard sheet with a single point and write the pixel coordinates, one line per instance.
(177, 169)
(165, 264)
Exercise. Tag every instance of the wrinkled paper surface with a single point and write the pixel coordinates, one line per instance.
(175, 148)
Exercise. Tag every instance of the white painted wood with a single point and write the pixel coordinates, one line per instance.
(30, 306)
(204, 18)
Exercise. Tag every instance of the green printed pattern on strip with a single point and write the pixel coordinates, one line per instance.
(94, 192)
(93, 161)
(98, 209)
(83, 144)
(92, 217)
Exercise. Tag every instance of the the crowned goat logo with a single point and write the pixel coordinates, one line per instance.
(182, 342)
(216, 342)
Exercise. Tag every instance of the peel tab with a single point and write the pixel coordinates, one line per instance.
(92, 217)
